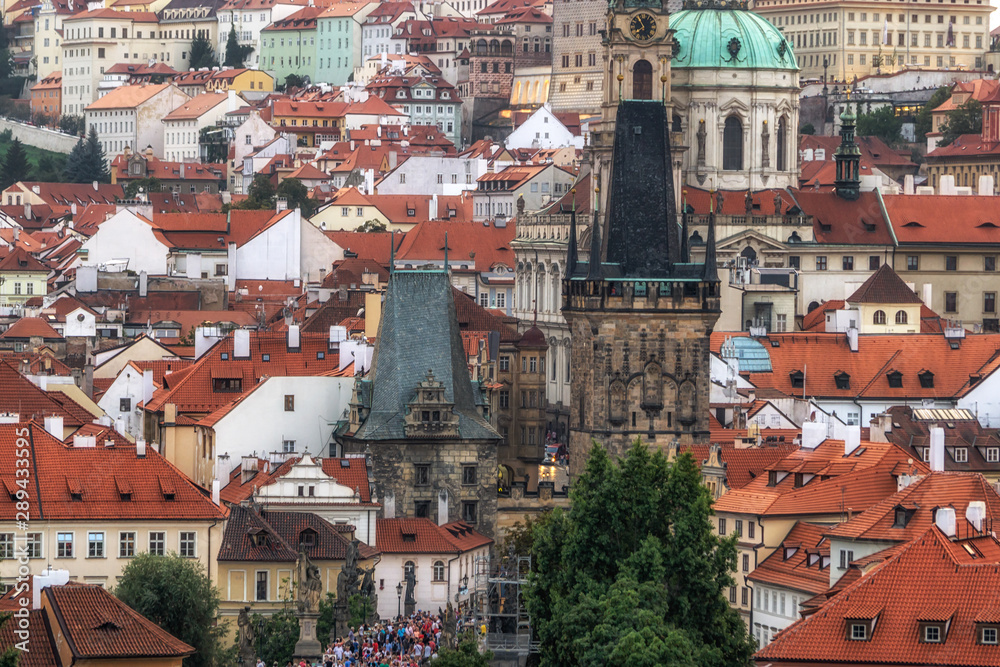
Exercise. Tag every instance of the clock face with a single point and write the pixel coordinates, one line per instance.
(642, 27)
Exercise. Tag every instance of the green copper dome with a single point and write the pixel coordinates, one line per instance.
(725, 34)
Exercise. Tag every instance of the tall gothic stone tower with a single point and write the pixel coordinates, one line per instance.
(640, 312)
(637, 48)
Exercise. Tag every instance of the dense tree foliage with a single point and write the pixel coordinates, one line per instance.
(966, 119)
(297, 196)
(15, 166)
(277, 635)
(202, 53)
(466, 655)
(11, 656)
(176, 594)
(923, 122)
(87, 161)
(634, 575)
(882, 123)
(294, 81)
(74, 125)
(236, 53)
(807, 129)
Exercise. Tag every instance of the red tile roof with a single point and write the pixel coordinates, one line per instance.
(42, 653)
(943, 219)
(821, 356)
(930, 574)
(873, 150)
(921, 498)
(98, 626)
(99, 472)
(31, 327)
(19, 261)
(884, 286)
(195, 394)
(354, 475)
(487, 246)
(841, 222)
(411, 536)
(789, 566)
(965, 146)
(19, 395)
(367, 245)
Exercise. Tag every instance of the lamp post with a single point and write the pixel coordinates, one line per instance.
(399, 599)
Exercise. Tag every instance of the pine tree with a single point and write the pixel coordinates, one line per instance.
(75, 166)
(634, 574)
(236, 53)
(202, 53)
(15, 165)
(96, 160)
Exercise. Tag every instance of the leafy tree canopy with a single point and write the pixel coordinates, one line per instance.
(807, 129)
(634, 575)
(923, 122)
(882, 123)
(466, 655)
(966, 119)
(297, 196)
(202, 53)
(176, 594)
(277, 637)
(149, 184)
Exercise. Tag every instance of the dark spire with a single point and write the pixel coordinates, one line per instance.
(392, 252)
(848, 159)
(594, 268)
(685, 251)
(711, 273)
(571, 249)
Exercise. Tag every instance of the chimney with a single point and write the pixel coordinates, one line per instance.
(215, 491)
(880, 425)
(280, 204)
(937, 450)
(944, 519)
(44, 579)
(852, 439)
(986, 185)
(87, 384)
(248, 468)
(147, 386)
(140, 448)
(389, 505)
(852, 338)
(928, 292)
(975, 513)
(241, 344)
(338, 334)
(432, 213)
(170, 414)
(10, 418)
(813, 434)
(442, 507)
(84, 441)
(143, 283)
(293, 338)
(54, 426)
(95, 186)
(908, 184)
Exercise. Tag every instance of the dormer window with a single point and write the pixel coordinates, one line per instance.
(790, 551)
(859, 632)
(895, 379)
(988, 634)
(307, 537)
(842, 379)
(926, 379)
(932, 634)
(797, 379)
(961, 455)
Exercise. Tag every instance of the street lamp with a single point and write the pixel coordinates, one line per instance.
(399, 599)
(260, 635)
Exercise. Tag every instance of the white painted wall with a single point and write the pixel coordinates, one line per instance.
(984, 400)
(259, 424)
(80, 322)
(774, 609)
(274, 254)
(125, 236)
(430, 595)
(128, 385)
(543, 130)
(418, 175)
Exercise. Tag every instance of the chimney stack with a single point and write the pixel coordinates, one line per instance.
(937, 449)
(140, 448)
(852, 439)
(944, 518)
(813, 434)
(975, 513)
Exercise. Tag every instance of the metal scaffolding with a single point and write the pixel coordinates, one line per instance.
(497, 601)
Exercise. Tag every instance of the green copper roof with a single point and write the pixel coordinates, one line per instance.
(726, 37)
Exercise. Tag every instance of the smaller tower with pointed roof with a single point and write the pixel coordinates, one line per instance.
(848, 158)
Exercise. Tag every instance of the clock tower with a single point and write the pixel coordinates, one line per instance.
(638, 46)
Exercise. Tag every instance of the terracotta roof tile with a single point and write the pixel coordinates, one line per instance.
(410, 536)
(128, 97)
(947, 219)
(884, 286)
(30, 327)
(790, 565)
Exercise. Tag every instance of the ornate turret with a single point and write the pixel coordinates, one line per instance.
(848, 158)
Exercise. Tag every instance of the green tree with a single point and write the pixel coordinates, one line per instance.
(149, 184)
(72, 125)
(882, 123)
(15, 165)
(635, 570)
(466, 655)
(807, 129)
(371, 226)
(202, 53)
(236, 53)
(49, 168)
(297, 196)
(922, 124)
(966, 119)
(277, 637)
(260, 194)
(215, 143)
(294, 81)
(176, 594)
(95, 160)
(74, 169)
(325, 621)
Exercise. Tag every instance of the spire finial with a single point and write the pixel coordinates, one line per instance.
(446, 252)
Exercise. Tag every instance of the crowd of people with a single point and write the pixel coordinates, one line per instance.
(405, 642)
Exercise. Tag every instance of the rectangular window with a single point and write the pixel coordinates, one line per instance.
(261, 586)
(469, 512)
(820, 263)
(989, 302)
(990, 263)
(751, 529)
(6, 546)
(932, 634)
(158, 543)
(951, 302)
(504, 363)
(722, 526)
(533, 365)
(64, 545)
(469, 475)
(859, 631)
(33, 545)
(287, 446)
(846, 556)
(188, 542)
(874, 261)
(794, 261)
(951, 263)
(746, 563)
(126, 545)
(912, 262)
(961, 455)
(422, 474)
(289, 403)
(848, 263)
(989, 636)
(744, 595)
(738, 527)
(993, 454)
(95, 545)
(732, 594)
(504, 399)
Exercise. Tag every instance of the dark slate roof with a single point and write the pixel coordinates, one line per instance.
(283, 530)
(884, 286)
(419, 332)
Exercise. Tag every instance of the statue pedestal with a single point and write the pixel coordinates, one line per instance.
(308, 647)
(341, 614)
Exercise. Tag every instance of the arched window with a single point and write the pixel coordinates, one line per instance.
(438, 570)
(642, 80)
(900, 317)
(782, 144)
(878, 317)
(675, 123)
(732, 145)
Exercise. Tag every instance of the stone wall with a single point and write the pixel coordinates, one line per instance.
(40, 137)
